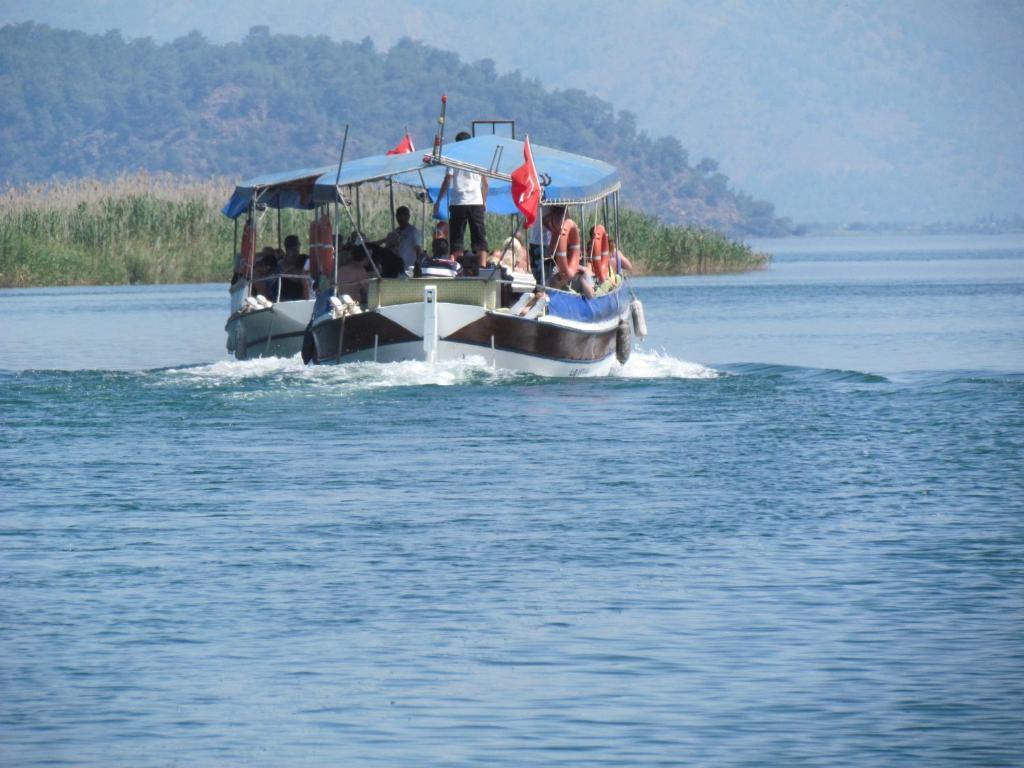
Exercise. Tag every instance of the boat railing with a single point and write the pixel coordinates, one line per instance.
(479, 292)
(278, 279)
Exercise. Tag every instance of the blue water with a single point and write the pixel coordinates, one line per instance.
(789, 532)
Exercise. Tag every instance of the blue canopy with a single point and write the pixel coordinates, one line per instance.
(573, 178)
(288, 189)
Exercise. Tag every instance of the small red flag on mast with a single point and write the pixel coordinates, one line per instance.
(405, 145)
(526, 186)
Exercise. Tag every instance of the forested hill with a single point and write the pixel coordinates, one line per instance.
(78, 105)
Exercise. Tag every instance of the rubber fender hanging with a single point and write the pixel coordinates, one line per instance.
(308, 344)
(636, 309)
(623, 342)
(241, 348)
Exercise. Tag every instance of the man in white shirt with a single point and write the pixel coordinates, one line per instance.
(406, 239)
(467, 204)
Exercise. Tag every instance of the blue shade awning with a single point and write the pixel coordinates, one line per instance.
(402, 168)
(573, 178)
(287, 189)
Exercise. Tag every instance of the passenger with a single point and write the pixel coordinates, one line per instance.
(467, 204)
(353, 275)
(618, 257)
(540, 241)
(294, 286)
(538, 295)
(569, 273)
(388, 262)
(512, 255)
(408, 240)
(264, 278)
(439, 263)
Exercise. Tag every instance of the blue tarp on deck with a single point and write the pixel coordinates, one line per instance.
(571, 306)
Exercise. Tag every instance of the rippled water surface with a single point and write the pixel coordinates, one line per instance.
(790, 531)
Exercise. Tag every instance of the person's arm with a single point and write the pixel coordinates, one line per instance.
(442, 192)
(483, 190)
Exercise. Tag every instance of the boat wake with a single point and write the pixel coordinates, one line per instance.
(661, 365)
(470, 371)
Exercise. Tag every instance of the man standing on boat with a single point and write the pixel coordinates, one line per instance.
(467, 204)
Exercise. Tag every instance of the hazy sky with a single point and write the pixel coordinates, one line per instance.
(833, 111)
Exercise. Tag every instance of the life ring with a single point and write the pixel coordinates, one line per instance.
(248, 252)
(567, 250)
(321, 243)
(599, 253)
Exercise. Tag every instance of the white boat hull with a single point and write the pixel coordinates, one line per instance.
(275, 331)
(546, 346)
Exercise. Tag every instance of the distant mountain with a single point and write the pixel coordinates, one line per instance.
(95, 105)
(865, 110)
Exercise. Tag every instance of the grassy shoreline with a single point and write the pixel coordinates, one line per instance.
(161, 229)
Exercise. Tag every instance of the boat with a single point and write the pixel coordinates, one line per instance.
(260, 325)
(509, 318)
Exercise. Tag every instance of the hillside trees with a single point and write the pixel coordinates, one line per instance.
(79, 105)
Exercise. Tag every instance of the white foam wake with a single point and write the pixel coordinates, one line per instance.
(471, 370)
(661, 365)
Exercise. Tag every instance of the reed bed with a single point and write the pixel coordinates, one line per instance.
(145, 228)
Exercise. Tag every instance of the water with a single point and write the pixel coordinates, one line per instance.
(789, 532)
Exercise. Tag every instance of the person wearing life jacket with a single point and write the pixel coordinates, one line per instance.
(618, 259)
(569, 274)
(598, 253)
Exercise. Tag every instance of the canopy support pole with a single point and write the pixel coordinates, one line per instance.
(391, 200)
(337, 216)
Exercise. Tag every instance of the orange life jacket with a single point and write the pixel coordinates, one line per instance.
(600, 254)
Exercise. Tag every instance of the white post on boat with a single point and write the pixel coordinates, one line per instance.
(430, 322)
(539, 224)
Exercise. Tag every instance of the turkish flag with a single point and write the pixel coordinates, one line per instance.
(526, 186)
(405, 145)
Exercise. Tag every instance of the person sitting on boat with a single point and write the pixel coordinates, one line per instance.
(439, 263)
(354, 274)
(619, 260)
(264, 278)
(569, 273)
(406, 238)
(512, 256)
(294, 286)
(467, 205)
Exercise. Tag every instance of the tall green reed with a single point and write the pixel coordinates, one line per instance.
(146, 228)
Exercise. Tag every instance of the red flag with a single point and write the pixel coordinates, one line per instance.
(405, 145)
(526, 186)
